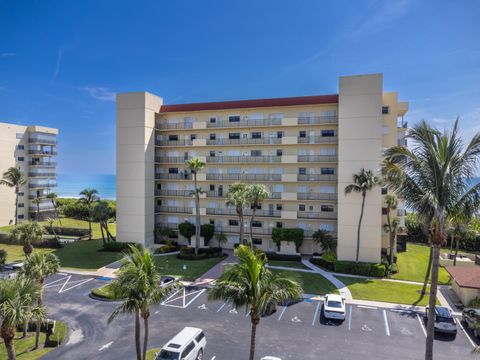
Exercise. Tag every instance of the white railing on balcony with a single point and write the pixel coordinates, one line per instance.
(316, 215)
(180, 142)
(166, 192)
(315, 196)
(246, 177)
(316, 177)
(184, 176)
(173, 209)
(244, 159)
(317, 140)
(245, 141)
(317, 158)
(245, 123)
(314, 120)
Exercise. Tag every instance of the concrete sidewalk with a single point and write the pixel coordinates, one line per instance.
(214, 273)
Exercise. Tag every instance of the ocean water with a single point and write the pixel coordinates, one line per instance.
(70, 185)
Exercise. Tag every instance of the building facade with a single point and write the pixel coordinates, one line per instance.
(33, 149)
(304, 149)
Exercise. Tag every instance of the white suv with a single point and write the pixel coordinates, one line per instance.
(188, 344)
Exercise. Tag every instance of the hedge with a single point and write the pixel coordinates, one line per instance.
(188, 253)
(282, 257)
(167, 249)
(326, 264)
(286, 234)
(364, 269)
(66, 231)
(114, 246)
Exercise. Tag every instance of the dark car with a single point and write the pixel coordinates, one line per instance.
(471, 318)
(444, 321)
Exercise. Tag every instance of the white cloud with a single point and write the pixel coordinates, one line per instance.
(7, 54)
(57, 65)
(100, 93)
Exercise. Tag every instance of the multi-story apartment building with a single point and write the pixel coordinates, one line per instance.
(304, 149)
(33, 149)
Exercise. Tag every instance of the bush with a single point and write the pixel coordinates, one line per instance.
(114, 246)
(416, 230)
(207, 231)
(186, 229)
(330, 266)
(285, 234)
(282, 257)
(167, 249)
(470, 242)
(188, 253)
(364, 269)
(58, 335)
(3, 257)
(475, 303)
(192, 256)
(66, 231)
(50, 242)
(6, 238)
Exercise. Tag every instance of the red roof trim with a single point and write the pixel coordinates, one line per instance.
(242, 104)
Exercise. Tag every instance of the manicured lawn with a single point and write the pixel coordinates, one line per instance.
(170, 265)
(386, 291)
(312, 283)
(15, 251)
(291, 264)
(151, 353)
(24, 347)
(412, 265)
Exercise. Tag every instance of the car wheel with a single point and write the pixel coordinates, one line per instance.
(200, 355)
(476, 333)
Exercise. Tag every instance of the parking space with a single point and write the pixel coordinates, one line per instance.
(62, 283)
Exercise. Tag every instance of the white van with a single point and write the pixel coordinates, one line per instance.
(188, 344)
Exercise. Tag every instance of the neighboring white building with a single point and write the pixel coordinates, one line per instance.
(33, 149)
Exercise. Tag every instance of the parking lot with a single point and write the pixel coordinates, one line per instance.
(297, 331)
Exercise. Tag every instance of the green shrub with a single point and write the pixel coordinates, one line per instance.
(58, 335)
(188, 253)
(323, 263)
(3, 257)
(286, 234)
(282, 257)
(186, 229)
(393, 269)
(199, 256)
(167, 249)
(329, 256)
(115, 246)
(364, 269)
(207, 231)
(66, 231)
(475, 303)
(6, 238)
(50, 242)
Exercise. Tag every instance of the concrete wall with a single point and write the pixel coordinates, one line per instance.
(135, 166)
(359, 146)
(465, 294)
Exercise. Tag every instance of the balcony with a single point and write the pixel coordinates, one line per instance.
(245, 123)
(217, 194)
(316, 177)
(244, 159)
(236, 229)
(43, 207)
(317, 158)
(182, 142)
(171, 159)
(246, 212)
(37, 140)
(245, 177)
(184, 176)
(179, 193)
(315, 196)
(318, 140)
(172, 226)
(316, 215)
(165, 126)
(247, 141)
(316, 120)
(42, 152)
(42, 174)
(42, 185)
(173, 209)
(43, 163)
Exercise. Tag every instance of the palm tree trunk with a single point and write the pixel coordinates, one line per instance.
(359, 226)
(90, 227)
(255, 320)
(103, 235)
(137, 334)
(39, 321)
(145, 335)
(427, 274)
(56, 212)
(197, 215)
(25, 328)
(456, 251)
(251, 227)
(431, 304)
(8, 334)
(16, 205)
(240, 217)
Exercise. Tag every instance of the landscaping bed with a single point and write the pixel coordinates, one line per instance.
(312, 283)
(171, 265)
(290, 264)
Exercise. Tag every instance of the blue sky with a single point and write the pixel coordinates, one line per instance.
(61, 62)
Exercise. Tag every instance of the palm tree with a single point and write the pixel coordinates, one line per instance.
(221, 238)
(326, 239)
(250, 284)
(53, 198)
(28, 233)
(392, 203)
(363, 182)
(256, 193)
(37, 201)
(37, 267)
(138, 284)
(17, 297)
(236, 196)
(434, 178)
(14, 178)
(195, 165)
(89, 197)
(102, 214)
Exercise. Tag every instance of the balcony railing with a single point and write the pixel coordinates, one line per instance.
(314, 120)
(247, 212)
(245, 123)
(317, 140)
(181, 193)
(184, 176)
(247, 141)
(244, 159)
(42, 152)
(316, 177)
(316, 215)
(46, 207)
(42, 186)
(173, 209)
(43, 163)
(217, 194)
(165, 125)
(236, 229)
(315, 196)
(35, 140)
(182, 142)
(42, 174)
(317, 158)
(172, 226)
(246, 177)
(171, 159)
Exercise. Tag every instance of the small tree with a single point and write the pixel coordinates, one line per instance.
(14, 178)
(102, 214)
(326, 240)
(186, 229)
(37, 201)
(28, 233)
(207, 231)
(221, 239)
(89, 197)
(53, 199)
(237, 197)
(256, 193)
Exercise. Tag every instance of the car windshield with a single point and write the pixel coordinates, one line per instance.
(444, 319)
(167, 355)
(334, 304)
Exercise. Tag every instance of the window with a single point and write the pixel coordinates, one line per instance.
(213, 120)
(302, 134)
(187, 350)
(384, 211)
(199, 337)
(301, 207)
(279, 224)
(327, 208)
(212, 222)
(256, 135)
(279, 134)
(212, 153)
(21, 205)
(279, 207)
(20, 216)
(328, 132)
(256, 153)
(193, 136)
(19, 135)
(20, 158)
(173, 137)
(234, 118)
(384, 191)
(257, 224)
(213, 136)
(279, 152)
(233, 222)
(20, 193)
(173, 170)
(20, 147)
(212, 187)
(257, 241)
(234, 136)
(259, 206)
(385, 110)
(302, 171)
(327, 171)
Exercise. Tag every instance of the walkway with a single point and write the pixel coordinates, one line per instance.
(215, 272)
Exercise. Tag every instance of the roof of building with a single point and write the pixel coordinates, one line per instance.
(242, 104)
(466, 276)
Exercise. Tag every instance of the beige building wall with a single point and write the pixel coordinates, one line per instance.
(135, 166)
(466, 295)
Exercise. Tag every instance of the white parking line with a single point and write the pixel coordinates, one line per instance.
(421, 324)
(196, 296)
(248, 313)
(221, 307)
(315, 314)
(368, 307)
(213, 358)
(106, 346)
(281, 314)
(350, 318)
(385, 320)
(466, 334)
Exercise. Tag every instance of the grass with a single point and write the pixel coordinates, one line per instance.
(24, 347)
(170, 265)
(15, 251)
(312, 283)
(290, 264)
(103, 292)
(412, 265)
(151, 353)
(386, 291)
